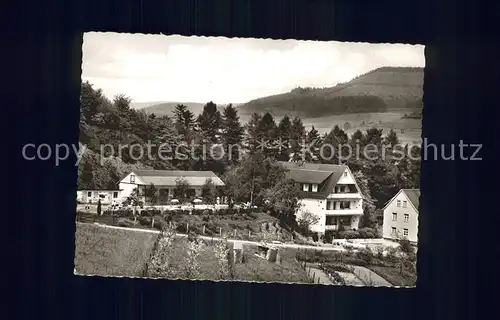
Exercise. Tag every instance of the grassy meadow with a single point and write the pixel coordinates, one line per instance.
(116, 252)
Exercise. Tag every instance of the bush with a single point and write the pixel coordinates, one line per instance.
(144, 221)
(333, 267)
(392, 254)
(406, 246)
(179, 212)
(337, 279)
(365, 255)
(151, 212)
(123, 213)
(367, 233)
(200, 212)
(349, 234)
(181, 228)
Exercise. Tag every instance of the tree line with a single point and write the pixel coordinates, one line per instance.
(251, 173)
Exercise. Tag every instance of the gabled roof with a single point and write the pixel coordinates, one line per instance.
(169, 177)
(413, 196)
(303, 172)
(309, 176)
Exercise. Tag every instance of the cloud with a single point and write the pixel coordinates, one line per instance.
(200, 69)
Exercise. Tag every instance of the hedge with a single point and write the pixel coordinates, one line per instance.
(363, 233)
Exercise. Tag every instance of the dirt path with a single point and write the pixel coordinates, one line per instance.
(370, 278)
(318, 275)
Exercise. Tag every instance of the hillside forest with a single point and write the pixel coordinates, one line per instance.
(255, 171)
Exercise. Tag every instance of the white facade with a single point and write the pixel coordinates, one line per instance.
(128, 184)
(133, 181)
(341, 207)
(400, 219)
(93, 196)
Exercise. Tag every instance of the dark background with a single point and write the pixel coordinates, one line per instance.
(459, 204)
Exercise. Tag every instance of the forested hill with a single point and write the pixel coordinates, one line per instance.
(383, 89)
(110, 124)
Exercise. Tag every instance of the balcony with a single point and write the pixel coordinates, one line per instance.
(331, 227)
(344, 212)
(353, 195)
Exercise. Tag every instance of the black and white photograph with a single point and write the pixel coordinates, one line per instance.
(249, 160)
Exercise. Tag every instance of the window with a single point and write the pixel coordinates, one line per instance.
(115, 194)
(305, 187)
(345, 205)
(404, 204)
(407, 217)
(394, 217)
(89, 194)
(394, 231)
(132, 178)
(345, 173)
(405, 232)
(314, 187)
(398, 203)
(329, 205)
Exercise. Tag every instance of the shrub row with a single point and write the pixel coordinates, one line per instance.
(334, 267)
(153, 212)
(363, 233)
(223, 212)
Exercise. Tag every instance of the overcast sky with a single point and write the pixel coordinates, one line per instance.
(151, 68)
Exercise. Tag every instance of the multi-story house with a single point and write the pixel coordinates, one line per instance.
(401, 216)
(328, 191)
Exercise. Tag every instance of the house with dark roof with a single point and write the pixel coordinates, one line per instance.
(400, 213)
(165, 181)
(328, 191)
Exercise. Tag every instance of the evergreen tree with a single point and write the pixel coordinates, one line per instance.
(297, 138)
(374, 136)
(358, 138)
(122, 103)
(337, 150)
(252, 133)
(184, 121)
(232, 132)
(313, 140)
(285, 134)
(391, 138)
(209, 122)
(267, 133)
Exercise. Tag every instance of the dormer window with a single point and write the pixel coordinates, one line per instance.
(132, 178)
(314, 187)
